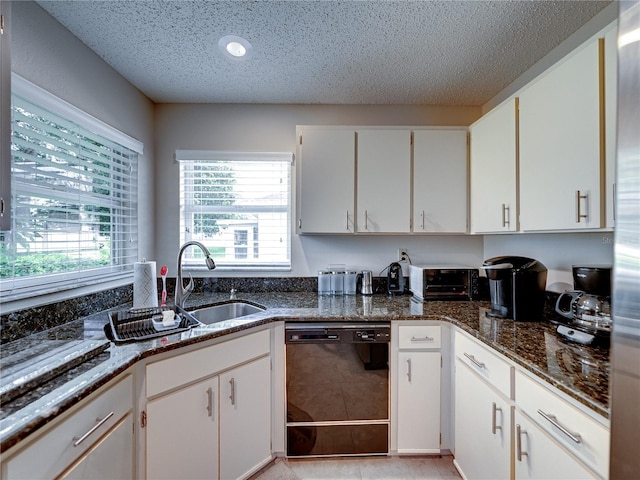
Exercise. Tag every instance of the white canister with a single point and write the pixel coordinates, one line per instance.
(350, 281)
(324, 282)
(337, 283)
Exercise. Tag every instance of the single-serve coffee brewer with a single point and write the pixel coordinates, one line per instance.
(516, 287)
(588, 305)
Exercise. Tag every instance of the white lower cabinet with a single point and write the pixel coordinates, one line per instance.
(538, 456)
(510, 424)
(82, 444)
(564, 425)
(208, 413)
(245, 418)
(110, 457)
(419, 402)
(482, 427)
(418, 376)
(180, 424)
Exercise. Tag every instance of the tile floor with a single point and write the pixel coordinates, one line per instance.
(361, 468)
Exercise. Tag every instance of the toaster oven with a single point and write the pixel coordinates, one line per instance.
(443, 282)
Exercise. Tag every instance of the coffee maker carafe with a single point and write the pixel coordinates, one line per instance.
(588, 306)
(516, 287)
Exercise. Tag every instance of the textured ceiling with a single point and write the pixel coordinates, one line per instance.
(324, 52)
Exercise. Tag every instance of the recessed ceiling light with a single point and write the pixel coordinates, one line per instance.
(235, 48)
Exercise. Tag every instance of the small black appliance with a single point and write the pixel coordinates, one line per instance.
(395, 280)
(516, 287)
(587, 309)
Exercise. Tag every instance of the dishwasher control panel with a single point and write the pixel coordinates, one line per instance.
(372, 335)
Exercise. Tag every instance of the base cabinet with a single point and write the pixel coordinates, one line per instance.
(419, 402)
(100, 461)
(212, 407)
(184, 422)
(245, 418)
(538, 456)
(483, 427)
(416, 380)
(84, 443)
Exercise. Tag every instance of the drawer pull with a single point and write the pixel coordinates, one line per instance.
(422, 339)
(519, 452)
(494, 410)
(473, 360)
(554, 421)
(78, 440)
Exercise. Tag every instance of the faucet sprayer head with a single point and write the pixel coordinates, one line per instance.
(210, 263)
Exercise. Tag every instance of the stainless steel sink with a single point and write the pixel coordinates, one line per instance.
(225, 311)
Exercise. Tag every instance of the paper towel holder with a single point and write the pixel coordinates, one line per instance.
(183, 292)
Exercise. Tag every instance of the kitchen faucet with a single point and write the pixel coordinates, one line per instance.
(183, 292)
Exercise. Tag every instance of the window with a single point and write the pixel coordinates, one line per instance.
(74, 198)
(239, 205)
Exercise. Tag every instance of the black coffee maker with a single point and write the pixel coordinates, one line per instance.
(587, 308)
(516, 287)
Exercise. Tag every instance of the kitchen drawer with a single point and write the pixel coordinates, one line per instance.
(419, 337)
(58, 447)
(186, 368)
(590, 442)
(488, 365)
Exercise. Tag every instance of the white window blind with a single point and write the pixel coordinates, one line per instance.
(74, 201)
(238, 204)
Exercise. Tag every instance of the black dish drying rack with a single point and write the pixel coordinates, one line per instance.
(143, 324)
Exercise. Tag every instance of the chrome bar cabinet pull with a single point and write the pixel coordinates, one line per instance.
(422, 339)
(232, 397)
(494, 410)
(210, 402)
(78, 440)
(519, 452)
(554, 421)
(474, 361)
(505, 215)
(409, 369)
(579, 214)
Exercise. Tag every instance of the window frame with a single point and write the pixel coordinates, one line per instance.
(19, 288)
(203, 156)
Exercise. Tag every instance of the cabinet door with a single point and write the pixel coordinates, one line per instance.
(419, 402)
(493, 177)
(182, 433)
(110, 457)
(383, 186)
(611, 119)
(326, 192)
(245, 418)
(538, 456)
(440, 181)
(482, 427)
(560, 136)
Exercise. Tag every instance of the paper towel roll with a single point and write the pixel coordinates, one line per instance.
(145, 293)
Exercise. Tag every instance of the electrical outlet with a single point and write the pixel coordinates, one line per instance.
(403, 254)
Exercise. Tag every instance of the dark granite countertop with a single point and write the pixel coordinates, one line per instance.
(581, 372)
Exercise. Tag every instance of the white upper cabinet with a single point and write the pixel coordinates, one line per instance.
(440, 181)
(493, 161)
(383, 181)
(326, 174)
(561, 160)
(611, 110)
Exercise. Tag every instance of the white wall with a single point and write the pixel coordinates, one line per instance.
(272, 128)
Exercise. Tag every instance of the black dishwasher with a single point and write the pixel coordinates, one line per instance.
(337, 389)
